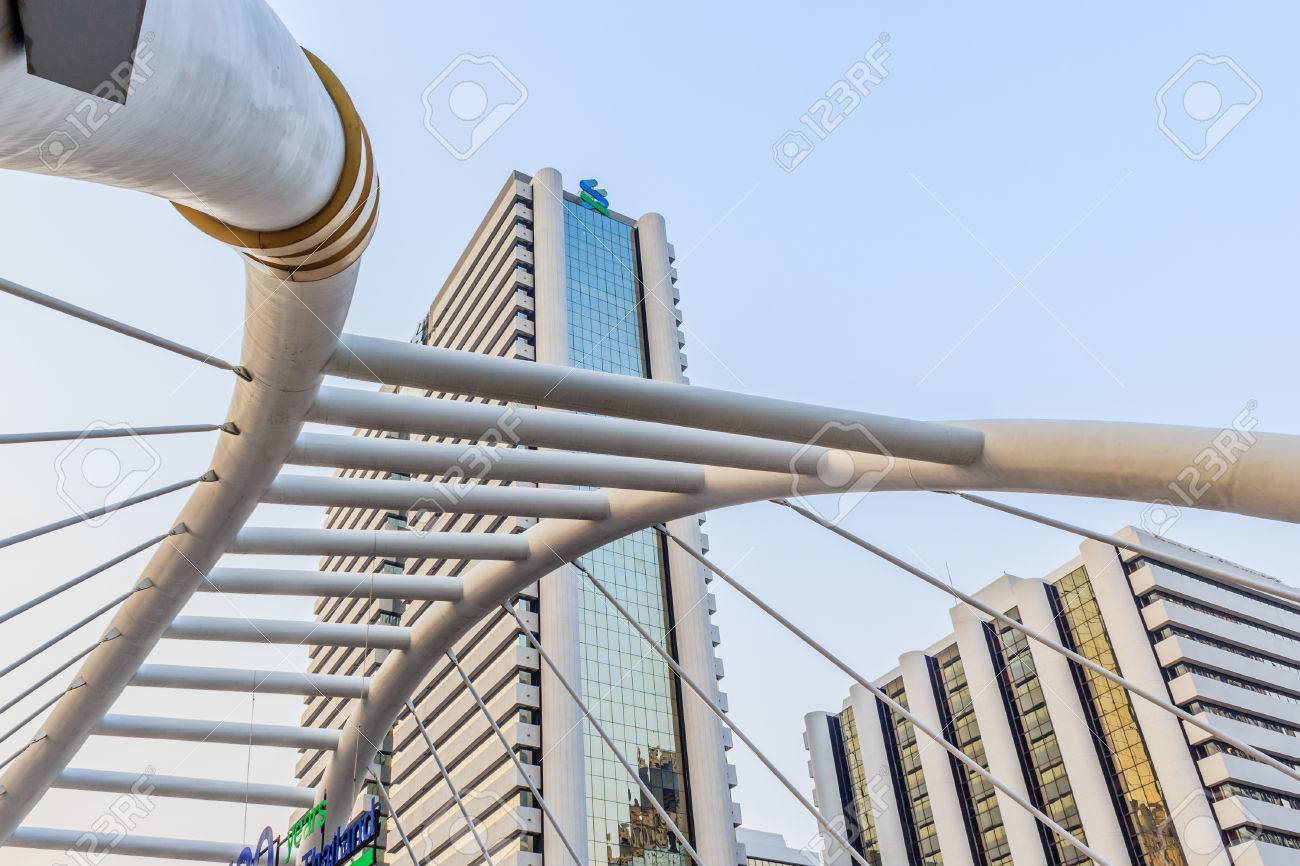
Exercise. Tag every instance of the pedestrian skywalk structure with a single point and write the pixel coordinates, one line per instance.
(297, 194)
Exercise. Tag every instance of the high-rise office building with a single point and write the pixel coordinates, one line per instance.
(549, 278)
(1121, 774)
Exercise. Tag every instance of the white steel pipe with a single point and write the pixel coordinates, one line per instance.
(491, 464)
(186, 787)
(458, 372)
(276, 631)
(437, 497)
(569, 431)
(378, 542)
(206, 731)
(1123, 461)
(48, 839)
(246, 680)
(186, 133)
(333, 584)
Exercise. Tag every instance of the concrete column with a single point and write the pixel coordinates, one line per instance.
(997, 736)
(826, 786)
(563, 762)
(1192, 814)
(1096, 809)
(885, 808)
(936, 763)
(715, 835)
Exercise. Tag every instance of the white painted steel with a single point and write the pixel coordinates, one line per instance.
(609, 394)
(275, 631)
(249, 680)
(366, 542)
(205, 731)
(334, 584)
(505, 464)
(186, 787)
(437, 497)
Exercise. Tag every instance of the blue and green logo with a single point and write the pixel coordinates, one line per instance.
(593, 197)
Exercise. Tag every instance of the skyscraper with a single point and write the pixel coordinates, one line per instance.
(550, 278)
(1119, 773)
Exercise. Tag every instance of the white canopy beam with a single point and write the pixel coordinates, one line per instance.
(395, 363)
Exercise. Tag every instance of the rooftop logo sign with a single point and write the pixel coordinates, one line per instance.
(593, 197)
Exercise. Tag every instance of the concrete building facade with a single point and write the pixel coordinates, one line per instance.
(1121, 774)
(548, 278)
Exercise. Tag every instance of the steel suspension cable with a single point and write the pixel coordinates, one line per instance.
(723, 717)
(451, 786)
(102, 321)
(1046, 641)
(406, 840)
(12, 702)
(1167, 557)
(112, 433)
(81, 578)
(13, 666)
(889, 702)
(519, 765)
(106, 509)
(600, 730)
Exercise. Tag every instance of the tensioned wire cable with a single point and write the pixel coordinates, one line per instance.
(406, 840)
(523, 773)
(102, 321)
(600, 731)
(1168, 557)
(83, 516)
(889, 702)
(84, 576)
(112, 433)
(723, 717)
(1073, 656)
(451, 786)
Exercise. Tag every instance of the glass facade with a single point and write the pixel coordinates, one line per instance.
(1150, 836)
(861, 827)
(628, 687)
(909, 782)
(1039, 751)
(979, 798)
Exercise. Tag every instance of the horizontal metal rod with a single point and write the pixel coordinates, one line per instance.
(569, 431)
(106, 509)
(362, 542)
(12, 666)
(94, 318)
(105, 433)
(1168, 557)
(246, 680)
(438, 497)
(48, 839)
(1054, 645)
(276, 631)
(560, 387)
(722, 716)
(334, 584)
(204, 731)
(894, 706)
(84, 576)
(186, 787)
(483, 463)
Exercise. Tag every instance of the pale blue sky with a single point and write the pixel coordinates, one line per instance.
(1005, 144)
